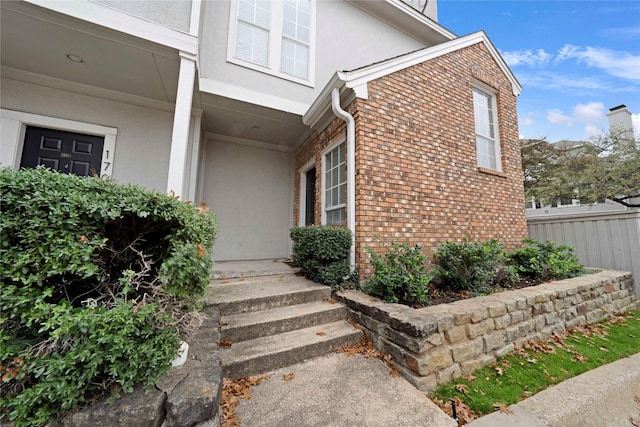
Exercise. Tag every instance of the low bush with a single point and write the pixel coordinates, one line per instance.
(546, 260)
(322, 254)
(472, 266)
(99, 282)
(400, 275)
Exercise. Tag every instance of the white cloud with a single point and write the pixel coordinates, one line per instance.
(526, 57)
(527, 121)
(593, 112)
(592, 132)
(590, 114)
(616, 63)
(550, 80)
(557, 117)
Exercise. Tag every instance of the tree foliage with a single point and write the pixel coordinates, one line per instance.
(607, 167)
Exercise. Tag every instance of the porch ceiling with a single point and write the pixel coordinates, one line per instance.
(237, 119)
(37, 40)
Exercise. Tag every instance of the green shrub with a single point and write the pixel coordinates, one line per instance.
(400, 275)
(97, 283)
(322, 254)
(472, 266)
(546, 260)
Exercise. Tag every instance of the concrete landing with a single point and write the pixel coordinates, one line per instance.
(252, 268)
(337, 391)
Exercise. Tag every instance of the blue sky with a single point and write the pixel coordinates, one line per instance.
(574, 59)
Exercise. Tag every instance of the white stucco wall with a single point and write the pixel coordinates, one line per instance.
(249, 189)
(174, 14)
(143, 134)
(346, 38)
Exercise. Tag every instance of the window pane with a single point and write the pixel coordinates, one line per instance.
(487, 148)
(252, 43)
(295, 59)
(335, 179)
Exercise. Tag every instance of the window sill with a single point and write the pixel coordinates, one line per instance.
(492, 172)
(269, 71)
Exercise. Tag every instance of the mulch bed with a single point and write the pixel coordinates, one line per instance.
(445, 296)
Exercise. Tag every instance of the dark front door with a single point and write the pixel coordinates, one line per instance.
(310, 198)
(65, 152)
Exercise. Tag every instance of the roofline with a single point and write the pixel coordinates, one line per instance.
(407, 12)
(357, 79)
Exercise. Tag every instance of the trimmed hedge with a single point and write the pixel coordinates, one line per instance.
(322, 254)
(99, 281)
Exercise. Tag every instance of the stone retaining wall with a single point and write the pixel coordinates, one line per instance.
(187, 396)
(436, 344)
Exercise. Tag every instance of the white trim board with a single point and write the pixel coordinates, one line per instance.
(114, 19)
(248, 142)
(357, 79)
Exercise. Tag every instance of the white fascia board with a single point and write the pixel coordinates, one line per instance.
(376, 71)
(405, 18)
(357, 80)
(120, 21)
(251, 96)
(322, 102)
(411, 12)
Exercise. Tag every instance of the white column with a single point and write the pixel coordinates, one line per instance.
(181, 124)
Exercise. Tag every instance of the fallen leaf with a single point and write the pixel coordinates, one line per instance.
(225, 342)
(606, 350)
(532, 361)
(499, 371)
(502, 408)
(329, 300)
(288, 377)
(83, 239)
(201, 251)
(320, 334)
(580, 358)
(462, 388)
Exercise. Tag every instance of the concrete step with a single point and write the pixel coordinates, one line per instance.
(248, 326)
(251, 294)
(265, 354)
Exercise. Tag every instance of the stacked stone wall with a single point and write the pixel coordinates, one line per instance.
(436, 344)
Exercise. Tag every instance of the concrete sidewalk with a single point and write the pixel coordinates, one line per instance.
(603, 397)
(339, 391)
(349, 391)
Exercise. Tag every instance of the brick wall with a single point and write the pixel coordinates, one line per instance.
(417, 180)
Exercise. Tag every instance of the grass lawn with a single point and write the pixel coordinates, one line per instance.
(540, 365)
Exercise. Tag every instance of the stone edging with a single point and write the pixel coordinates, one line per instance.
(436, 344)
(187, 396)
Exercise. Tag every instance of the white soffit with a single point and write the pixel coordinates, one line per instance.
(117, 20)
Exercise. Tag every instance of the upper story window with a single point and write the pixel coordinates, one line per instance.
(275, 37)
(487, 141)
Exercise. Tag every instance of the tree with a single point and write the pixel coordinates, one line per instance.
(607, 167)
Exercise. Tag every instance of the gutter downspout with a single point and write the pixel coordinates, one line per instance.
(351, 169)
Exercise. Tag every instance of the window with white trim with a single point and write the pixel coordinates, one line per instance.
(335, 186)
(274, 37)
(487, 142)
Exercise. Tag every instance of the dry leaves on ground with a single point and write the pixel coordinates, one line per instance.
(225, 342)
(288, 377)
(368, 350)
(463, 412)
(232, 392)
(329, 300)
(498, 406)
